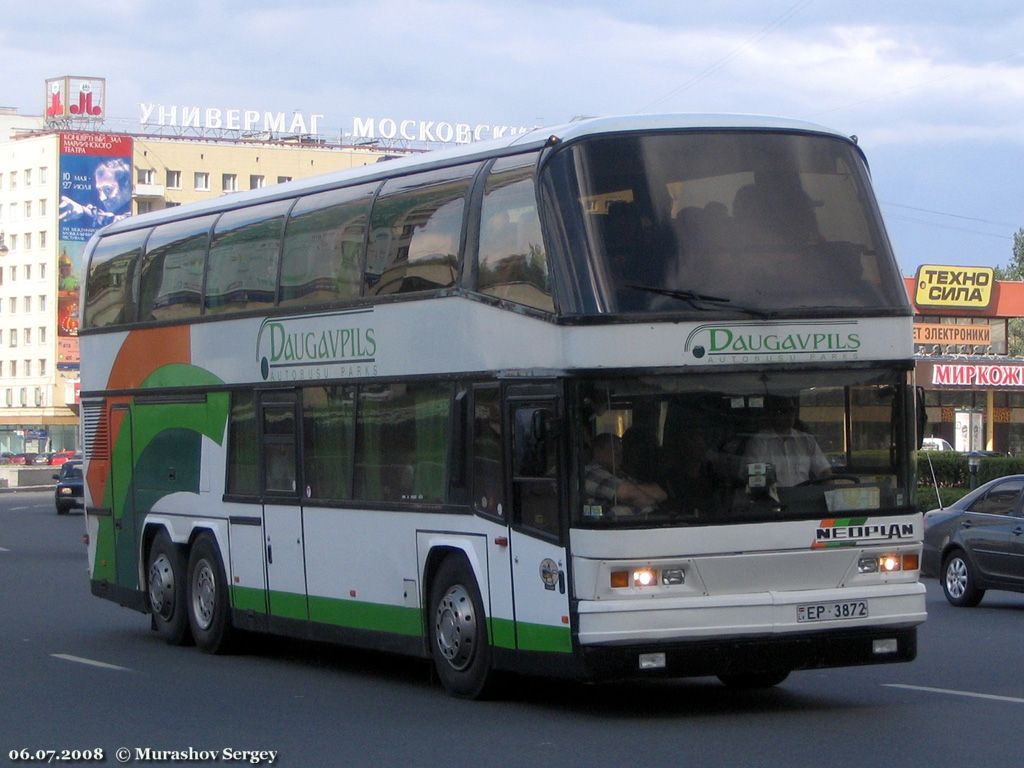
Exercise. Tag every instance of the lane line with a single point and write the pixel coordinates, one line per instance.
(89, 662)
(948, 692)
(4, 549)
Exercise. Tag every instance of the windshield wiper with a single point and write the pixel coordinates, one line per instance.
(695, 300)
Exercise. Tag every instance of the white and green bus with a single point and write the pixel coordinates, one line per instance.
(369, 407)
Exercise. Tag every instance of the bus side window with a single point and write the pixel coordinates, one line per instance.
(323, 246)
(416, 232)
(241, 269)
(171, 282)
(511, 262)
(109, 283)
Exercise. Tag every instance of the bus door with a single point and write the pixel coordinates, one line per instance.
(536, 532)
(284, 545)
(122, 496)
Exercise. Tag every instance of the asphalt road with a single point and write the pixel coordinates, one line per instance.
(77, 672)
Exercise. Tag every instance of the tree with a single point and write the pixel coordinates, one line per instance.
(1014, 271)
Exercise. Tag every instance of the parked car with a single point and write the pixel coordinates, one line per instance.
(935, 444)
(60, 457)
(70, 491)
(977, 543)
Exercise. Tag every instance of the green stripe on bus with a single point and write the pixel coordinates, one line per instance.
(503, 632)
(288, 605)
(396, 619)
(542, 637)
(248, 599)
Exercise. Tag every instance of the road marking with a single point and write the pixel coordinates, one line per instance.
(89, 662)
(966, 694)
(4, 549)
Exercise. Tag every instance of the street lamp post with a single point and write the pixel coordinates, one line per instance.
(973, 462)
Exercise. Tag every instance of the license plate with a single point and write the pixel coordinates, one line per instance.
(847, 609)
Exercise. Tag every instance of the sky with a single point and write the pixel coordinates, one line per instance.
(934, 90)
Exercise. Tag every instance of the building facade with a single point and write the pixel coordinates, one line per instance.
(57, 187)
(973, 387)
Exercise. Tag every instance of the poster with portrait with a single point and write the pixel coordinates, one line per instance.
(95, 180)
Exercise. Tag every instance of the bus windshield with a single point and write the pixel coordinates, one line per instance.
(755, 223)
(742, 447)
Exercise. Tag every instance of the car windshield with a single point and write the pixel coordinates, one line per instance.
(752, 222)
(73, 471)
(700, 450)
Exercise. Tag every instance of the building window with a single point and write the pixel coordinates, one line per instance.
(42, 302)
(256, 181)
(14, 367)
(13, 303)
(28, 245)
(28, 177)
(202, 181)
(14, 242)
(173, 179)
(283, 179)
(28, 336)
(42, 334)
(145, 175)
(28, 303)
(42, 207)
(14, 180)
(28, 209)
(42, 366)
(42, 175)
(42, 244)
(28, 271)
(145, 206)
(229, 182)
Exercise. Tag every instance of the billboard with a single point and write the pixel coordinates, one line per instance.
(95, 179)
(75, 98)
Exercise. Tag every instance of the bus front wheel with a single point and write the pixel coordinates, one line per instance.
(209, 609)
(165, 569)
(458, 630)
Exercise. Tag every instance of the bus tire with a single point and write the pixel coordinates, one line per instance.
(754, 680)
(458, 630)
(959, 583)
(209, 606)
(165, 575)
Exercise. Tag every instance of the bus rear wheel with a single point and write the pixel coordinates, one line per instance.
(209, 608)
(458, 630)
(165, 570)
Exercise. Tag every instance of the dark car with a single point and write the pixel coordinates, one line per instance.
(977, 543)
(69, 493)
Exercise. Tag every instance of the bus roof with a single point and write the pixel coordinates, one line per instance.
(483, 150)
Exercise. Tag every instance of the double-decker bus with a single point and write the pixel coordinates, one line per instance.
(518, 406)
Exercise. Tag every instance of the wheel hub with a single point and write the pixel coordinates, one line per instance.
(455, 627)
(161, 586)
(204, 594)
(956, 578)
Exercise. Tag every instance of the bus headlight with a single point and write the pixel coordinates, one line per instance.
(888, 563)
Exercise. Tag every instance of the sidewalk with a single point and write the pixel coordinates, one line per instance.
(15, 478)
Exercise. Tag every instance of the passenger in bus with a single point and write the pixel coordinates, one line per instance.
(795, 455)
(776, 211)
(606, 483)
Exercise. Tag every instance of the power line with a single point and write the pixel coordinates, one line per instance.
(946, 213)
(897, 217)
(710, 70)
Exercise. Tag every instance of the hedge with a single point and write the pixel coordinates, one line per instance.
(953, 475)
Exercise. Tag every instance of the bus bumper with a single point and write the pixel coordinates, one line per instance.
(728, 634)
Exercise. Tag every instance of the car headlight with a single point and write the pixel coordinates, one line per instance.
(65, 491)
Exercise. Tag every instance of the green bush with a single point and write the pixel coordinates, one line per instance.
(954, 477)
